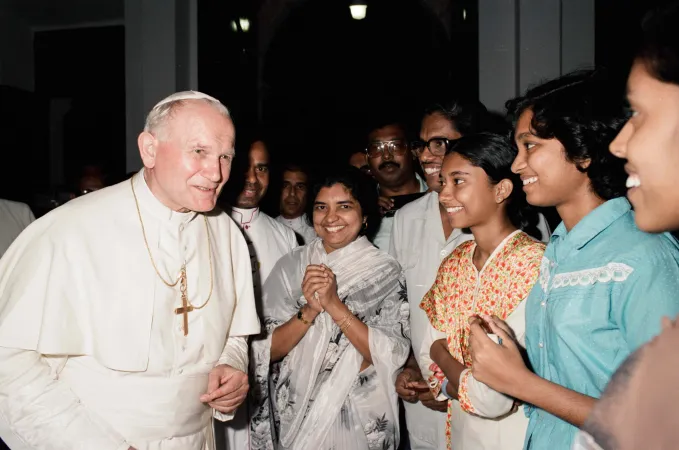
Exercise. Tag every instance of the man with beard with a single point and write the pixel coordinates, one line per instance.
(293, 203)
(392, 165)
(267, 241)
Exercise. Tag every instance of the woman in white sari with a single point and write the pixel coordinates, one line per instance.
(336, 318)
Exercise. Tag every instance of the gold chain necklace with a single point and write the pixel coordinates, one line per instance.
(187, 306)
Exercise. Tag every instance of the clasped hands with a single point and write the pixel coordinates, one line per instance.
(227, 388)
(319, 287)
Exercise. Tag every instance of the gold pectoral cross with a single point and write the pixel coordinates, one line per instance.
(186, 307)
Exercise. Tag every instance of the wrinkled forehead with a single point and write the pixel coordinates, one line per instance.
(201, 124)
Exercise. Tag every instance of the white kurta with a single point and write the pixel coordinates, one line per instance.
(383, 236)
(92, 355)
(268, 240)
(14, 218)
(419, 245)
(300, 226)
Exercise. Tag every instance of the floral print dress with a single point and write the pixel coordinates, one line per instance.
(461, 291)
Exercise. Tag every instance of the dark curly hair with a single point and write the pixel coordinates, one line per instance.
(495, 154)
(361, 187)
(584, 111)
(468, 117)
(659, 46)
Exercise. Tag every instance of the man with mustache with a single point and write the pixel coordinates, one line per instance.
(267, 241)
(392, 165)
(293, 203)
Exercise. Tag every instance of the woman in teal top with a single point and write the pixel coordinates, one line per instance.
(604, 284)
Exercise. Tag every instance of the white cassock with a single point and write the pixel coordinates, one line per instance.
(419, 245)
(14, 218)
(268, 240)
(300, 226)
(92, 354)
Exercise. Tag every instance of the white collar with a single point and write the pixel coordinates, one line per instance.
(148, 201)
(244, 217)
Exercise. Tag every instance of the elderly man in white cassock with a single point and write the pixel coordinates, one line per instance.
(124, 314)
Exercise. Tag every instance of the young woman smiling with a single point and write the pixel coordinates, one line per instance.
(604, 284)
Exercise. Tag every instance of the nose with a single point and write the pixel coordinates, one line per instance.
(619, 145)
(387, 154)
(519, 162)
(250, 175)
(213, 170)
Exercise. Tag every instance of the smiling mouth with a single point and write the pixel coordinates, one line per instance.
(530, 180)
(335, 229)
(204, 189)
(432, 170)
(633, 181)
(454, 209)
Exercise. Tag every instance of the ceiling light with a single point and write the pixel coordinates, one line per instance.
(464, 14)
(358, 11)
(244, 24)
(234, 26)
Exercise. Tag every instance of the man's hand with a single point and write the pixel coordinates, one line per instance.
(409, 384)
(428, 400)
(227, 388)
(385, 204)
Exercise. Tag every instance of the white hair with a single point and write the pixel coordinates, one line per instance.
(167, 106)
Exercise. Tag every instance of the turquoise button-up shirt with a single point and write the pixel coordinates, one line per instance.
(602, 291)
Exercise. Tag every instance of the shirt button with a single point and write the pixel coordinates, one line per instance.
(541, 345)
(181, 227)
(543, 304)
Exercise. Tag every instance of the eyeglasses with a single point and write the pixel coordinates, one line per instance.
(396, 147)
(437, 146)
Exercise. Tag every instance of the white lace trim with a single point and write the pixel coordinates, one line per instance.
(544, 274)
(611, 272)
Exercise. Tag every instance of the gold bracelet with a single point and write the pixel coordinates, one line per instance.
(350, 320)
(344, 320)
(300, 316)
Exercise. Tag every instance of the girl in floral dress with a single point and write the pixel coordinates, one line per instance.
(491, 275)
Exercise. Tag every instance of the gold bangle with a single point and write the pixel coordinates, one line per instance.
(350, 320)
(344, 319)
(300, 316)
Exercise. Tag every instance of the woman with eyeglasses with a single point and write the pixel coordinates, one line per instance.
(604, 284)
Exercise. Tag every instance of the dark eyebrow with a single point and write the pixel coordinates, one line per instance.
(345, 202)
(524, 135)
(457, 172)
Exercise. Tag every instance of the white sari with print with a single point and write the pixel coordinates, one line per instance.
(320, 399)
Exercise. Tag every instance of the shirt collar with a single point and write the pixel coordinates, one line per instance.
(244, 217)
(592, 224)
(149, 202)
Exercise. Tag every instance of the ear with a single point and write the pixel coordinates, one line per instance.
(503, 190)
(148, 147)
(584, 164)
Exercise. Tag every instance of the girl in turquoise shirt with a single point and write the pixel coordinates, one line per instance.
(604, 284)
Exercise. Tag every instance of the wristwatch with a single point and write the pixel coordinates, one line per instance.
(300, 316)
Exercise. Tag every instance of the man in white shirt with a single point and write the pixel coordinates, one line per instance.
(294, 202)
(14, 217)
(267, 239)
(393, 166)
(421, 239)
(124, 314)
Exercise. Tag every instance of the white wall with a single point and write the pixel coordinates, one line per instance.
(16, 53)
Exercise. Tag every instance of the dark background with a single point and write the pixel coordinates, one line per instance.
(326, 78)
